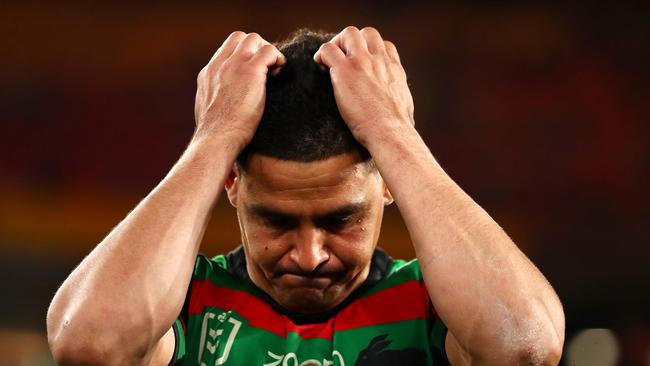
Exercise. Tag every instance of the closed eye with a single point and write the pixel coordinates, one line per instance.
(283, 223)
(336, 220)
(335, 223)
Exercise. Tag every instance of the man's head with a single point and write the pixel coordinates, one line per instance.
(308, 198)
(301, 121)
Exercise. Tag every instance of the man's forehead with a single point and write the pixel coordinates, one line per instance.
(344, 171)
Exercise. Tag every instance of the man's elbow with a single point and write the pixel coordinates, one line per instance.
(539, 345)
(78, 353)
(542, 338)
(543, 350)
(539, 355)
(75, 348)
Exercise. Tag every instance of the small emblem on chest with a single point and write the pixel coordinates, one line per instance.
(218, 333)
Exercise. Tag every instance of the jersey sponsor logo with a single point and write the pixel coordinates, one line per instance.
(218, 334)
(291, 359)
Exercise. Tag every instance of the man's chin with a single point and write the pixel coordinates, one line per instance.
(307, 300)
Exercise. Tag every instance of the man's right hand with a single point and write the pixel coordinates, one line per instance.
(118, 305)
(231, 88)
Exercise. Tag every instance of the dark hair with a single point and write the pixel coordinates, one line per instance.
(301, 121)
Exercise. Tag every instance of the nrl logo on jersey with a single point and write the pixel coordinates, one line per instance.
(218, 333)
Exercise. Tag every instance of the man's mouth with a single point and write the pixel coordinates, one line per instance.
(295, 280)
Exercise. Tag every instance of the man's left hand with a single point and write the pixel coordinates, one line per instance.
(369, 82)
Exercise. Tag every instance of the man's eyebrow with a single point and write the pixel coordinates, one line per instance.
(264, 211)
(345, 210)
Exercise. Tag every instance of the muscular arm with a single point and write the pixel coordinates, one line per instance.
(127, 292)
(498, 307)
(118, 305)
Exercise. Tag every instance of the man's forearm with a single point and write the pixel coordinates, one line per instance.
(492, 298)
(127, 292)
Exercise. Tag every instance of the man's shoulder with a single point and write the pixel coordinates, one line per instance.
(402, 266)
(233, 263)
(402, 272)
(204, 266)
(218, 274)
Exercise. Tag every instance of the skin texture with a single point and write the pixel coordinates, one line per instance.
(309, 229)
(118, 305)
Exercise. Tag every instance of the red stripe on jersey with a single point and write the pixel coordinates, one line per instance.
(309, 331)
(257, 312)
(405, 301)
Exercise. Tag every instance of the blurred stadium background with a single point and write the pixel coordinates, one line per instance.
(540, 112)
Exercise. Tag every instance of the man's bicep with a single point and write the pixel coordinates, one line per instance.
(164, 350)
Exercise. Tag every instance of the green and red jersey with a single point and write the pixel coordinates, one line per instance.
(227, 320)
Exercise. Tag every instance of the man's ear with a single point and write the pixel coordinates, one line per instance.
(388, 197)
(232, 186)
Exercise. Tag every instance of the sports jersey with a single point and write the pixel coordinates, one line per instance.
(227, 320)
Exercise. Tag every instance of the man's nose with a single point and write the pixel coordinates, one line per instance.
(309, 248)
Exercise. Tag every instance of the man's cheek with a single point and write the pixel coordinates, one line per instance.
(357, 235)
(268, 246)
(257, 235)
(353, 250)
